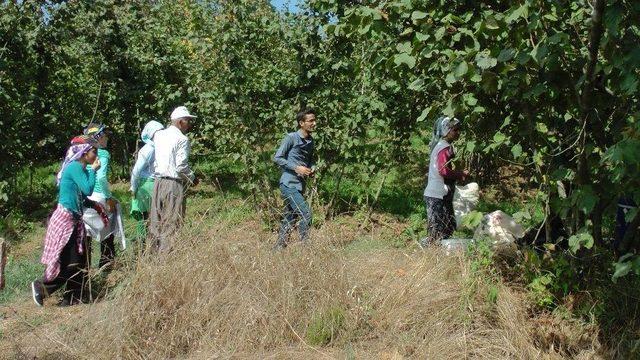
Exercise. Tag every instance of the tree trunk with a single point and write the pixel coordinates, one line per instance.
(583, 177)
(336, 191)
(3, 261)
(631, 235)
(594, 44)
(547, 223)
(375, 199)
(596, 219)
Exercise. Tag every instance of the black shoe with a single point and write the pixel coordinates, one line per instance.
(279, 247)
(36, 292)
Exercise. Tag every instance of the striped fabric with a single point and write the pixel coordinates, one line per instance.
(59, 231)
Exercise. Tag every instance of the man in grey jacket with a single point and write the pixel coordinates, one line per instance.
(295, 158)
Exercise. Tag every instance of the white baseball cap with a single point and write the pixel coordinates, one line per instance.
(181, 112)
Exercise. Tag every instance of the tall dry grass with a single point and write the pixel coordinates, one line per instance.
(223, 293)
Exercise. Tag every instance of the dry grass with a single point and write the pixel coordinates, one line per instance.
(222, 293)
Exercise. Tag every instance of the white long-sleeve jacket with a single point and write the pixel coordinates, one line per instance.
(172, 149)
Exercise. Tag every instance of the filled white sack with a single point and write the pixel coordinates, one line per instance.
(500, 228)
(465, 200)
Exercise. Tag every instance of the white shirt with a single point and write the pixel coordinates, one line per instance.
(172, 154)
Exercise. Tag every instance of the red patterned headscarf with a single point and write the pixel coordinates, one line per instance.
(80, 145)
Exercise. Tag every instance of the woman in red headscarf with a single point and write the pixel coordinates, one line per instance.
(64, 247)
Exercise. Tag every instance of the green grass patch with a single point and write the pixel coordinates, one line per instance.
(366, 244)
(324, 327)
(19, 274)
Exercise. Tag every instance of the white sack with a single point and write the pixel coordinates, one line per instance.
(465, 200)
(500, 228)
(94, 225)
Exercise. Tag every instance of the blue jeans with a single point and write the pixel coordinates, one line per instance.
(296, 208)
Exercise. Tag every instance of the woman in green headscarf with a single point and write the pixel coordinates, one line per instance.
(102, 195)
(142, 178)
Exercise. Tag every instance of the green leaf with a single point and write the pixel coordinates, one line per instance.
(424, 114)
(506, 122)
(485, 61)
(622, 267)
(469, 99)
(520, 12)
(417, 85)
(471, 146)
(406, 32)
(612, 17)
(621, 270)
(521, 217)
(418, 15)
(557, 38)
(523, 58)
(580, 240)
(542, 127)
(450, 79)
(586, 199)
(422, 37)
(364, 29)
(499, 138)
(448, 110)
(491, 23)
(479, 110)
(330, 29)
(472, 220)
(489, 82)
(539, 52)
(506, 54)
(461, 70)
(476, 78)
(404, 47)
(629, 84)
(538, 158)
(516, 151)
(405, 59)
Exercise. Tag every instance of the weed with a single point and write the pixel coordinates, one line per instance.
(19, 274)
(324, 327)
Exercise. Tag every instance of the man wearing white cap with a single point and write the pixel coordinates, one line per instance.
(173, 175)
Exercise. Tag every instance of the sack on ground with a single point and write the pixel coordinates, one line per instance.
(451, 246)
(500, 228)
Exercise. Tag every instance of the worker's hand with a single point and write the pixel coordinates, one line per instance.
(303, 170)
(96, 164)
(111, 205)
(465, 175)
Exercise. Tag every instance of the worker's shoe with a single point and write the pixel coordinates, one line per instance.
(37, 293)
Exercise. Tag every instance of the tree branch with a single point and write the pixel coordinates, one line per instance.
(595, 36)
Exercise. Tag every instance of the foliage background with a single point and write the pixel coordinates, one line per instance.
(547, 91)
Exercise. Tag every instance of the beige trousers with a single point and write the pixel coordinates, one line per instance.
(168, 205)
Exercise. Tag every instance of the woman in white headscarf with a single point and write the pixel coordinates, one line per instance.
(438, 194)
(142, 177)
